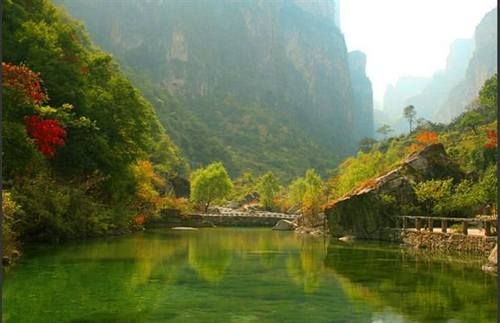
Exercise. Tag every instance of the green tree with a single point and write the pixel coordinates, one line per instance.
(307, 192)
(312, 196)
(434, 195)
(465, 200)
(410, 114)
(267, 187)
(470, 120)
(385, 130)
(488, 186)
(296, 191)
(210, 184)
(488, 93)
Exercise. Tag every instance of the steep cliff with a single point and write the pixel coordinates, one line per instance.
(363, 96)
(482, 65)
(268, 82)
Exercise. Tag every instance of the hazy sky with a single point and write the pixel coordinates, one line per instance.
(407, 37)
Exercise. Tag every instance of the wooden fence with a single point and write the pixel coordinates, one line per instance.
(486, 221)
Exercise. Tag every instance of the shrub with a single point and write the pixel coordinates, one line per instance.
(11, 212)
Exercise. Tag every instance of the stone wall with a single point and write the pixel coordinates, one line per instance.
(449, 242)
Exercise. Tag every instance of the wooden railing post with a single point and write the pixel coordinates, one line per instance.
(465, 227)
(444, 226)
(417, 224)
(430, 224)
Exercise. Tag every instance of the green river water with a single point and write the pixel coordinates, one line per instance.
(242, 275)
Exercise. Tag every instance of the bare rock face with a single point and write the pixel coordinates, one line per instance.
(368, 209)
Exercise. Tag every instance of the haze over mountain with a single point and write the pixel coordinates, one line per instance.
(482, 65)
(449, 91)
(261, 85)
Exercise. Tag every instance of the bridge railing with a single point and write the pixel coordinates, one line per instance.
(250, 214)
(487, 221)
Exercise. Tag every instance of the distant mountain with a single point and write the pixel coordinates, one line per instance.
(395, 100)
(435, 93)
(396, 95)
(449, 91)
(260, 85)
(482, 65)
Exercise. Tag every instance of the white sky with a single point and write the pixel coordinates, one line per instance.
(407, 37)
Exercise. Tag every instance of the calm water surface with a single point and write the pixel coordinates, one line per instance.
(242, 275)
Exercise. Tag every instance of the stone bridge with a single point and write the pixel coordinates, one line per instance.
(228, 219)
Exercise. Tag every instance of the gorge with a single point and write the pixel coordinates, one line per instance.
(233, 64)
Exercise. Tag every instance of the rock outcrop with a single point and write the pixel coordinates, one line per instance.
(369, 209)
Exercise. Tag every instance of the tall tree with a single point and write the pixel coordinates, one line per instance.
(268, 188)
(410, 114)
(210, 184)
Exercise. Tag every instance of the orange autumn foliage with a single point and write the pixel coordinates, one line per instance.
(139, 220)
(427, 137)
(492, 140)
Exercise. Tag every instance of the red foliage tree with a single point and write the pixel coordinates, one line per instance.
(492, 140)
(427, 137)
(24, 81)
(46, 133)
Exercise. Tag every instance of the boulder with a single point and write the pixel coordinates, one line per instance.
(233, 205)
(284, 225)
(366, 211)
(491, 266)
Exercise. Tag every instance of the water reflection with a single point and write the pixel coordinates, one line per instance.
(240, 275)
(419, 286)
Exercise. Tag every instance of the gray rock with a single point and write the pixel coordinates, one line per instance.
(284, 225)
(493, 256)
